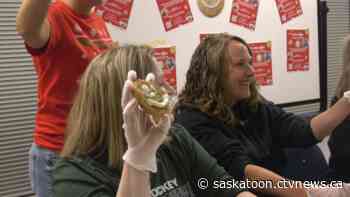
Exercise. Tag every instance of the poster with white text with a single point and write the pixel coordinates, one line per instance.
(244, 13)
(262, 62)
(288, 9)
(297, 50)
(174, 13)
(166, 57)
(116, 12)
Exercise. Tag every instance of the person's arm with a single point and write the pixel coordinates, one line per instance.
(131, 177)
(257, 173)
(32, 23)
(230, 153)
(204, 167)
(323, 124)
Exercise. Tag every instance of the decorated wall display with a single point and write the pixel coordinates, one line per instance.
(166, 56)
(262, 62)
(275, 72)
(297, 50)
(174, 13)
(244, 13)
(116, 12)
(288, 9)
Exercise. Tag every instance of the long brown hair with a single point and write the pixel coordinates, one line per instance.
(95, 121)
(205, 79)
(344, 80)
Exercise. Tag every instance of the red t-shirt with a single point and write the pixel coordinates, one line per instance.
(74, 41)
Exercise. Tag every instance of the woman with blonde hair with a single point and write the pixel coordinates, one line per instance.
(114, 149)
(339, 140)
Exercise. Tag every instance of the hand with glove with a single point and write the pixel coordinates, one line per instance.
(143, 136)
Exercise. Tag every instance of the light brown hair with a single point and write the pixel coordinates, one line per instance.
(95, 121)
(344, 80)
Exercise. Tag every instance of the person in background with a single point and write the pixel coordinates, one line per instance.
(339, 140)
(62, 38)
(106, 126)
(220, 106)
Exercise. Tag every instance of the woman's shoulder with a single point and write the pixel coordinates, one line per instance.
(83, 168)
(79, 176)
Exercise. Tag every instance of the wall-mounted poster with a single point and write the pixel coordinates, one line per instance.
(298, 50)
(174, 13)
(166, 57)
(244, 13)
(262, 62)
(117, 12)
(288, 9)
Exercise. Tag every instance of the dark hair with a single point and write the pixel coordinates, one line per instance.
(205, 79)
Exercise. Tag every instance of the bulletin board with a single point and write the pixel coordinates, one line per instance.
(273, 25)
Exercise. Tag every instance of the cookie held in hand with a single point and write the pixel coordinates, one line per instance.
(153, 99)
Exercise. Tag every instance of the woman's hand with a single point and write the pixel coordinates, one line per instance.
(142, 135)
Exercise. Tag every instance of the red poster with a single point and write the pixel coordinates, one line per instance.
(262, 62)
(244, 13)
(116, 12)
(297, 50)
(166, 57)
(288, 9)
(174, 13)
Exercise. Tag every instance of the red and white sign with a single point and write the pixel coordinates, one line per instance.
(288, 9)
(116, 12)
(244, 13)
(174, 13)
(166, 57)
(262, 62)
(297, 50)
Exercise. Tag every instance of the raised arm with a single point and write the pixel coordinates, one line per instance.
(131, 177)
(143, 139)
(323, 124)
(32, 23)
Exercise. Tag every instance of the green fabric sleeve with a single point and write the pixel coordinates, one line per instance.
(204, 166)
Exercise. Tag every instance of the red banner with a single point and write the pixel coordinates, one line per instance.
(262, 62)
(116, 12)
(166, 57)
(174, 13)
(244, 13)
(297, 50)
(288, 9)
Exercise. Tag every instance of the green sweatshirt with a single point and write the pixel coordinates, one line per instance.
(181, 163)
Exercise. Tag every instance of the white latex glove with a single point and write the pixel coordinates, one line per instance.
(330, 192)
(142, 135)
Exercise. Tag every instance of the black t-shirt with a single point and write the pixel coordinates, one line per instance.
(258, 139)
(181, 162)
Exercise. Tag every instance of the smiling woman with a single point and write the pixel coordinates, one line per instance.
(221, 107)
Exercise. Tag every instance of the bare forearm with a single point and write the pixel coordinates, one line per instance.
(31, 22)
(323, 124)
(132, 177)
(256, 173)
